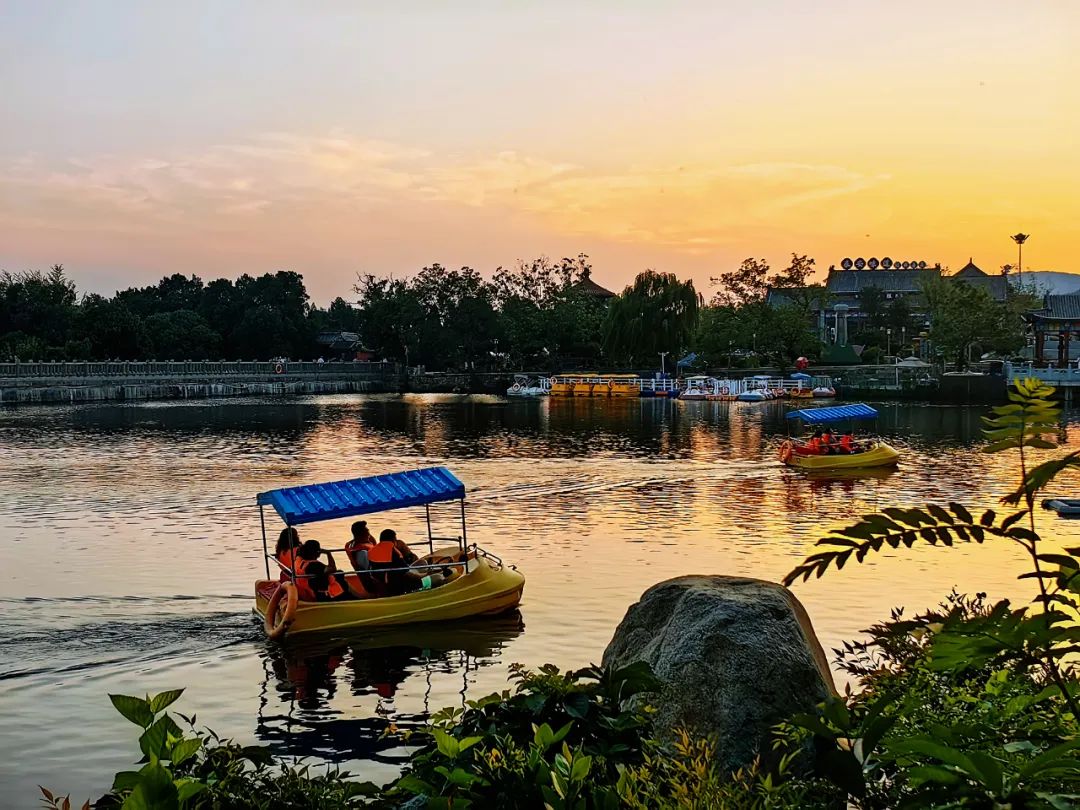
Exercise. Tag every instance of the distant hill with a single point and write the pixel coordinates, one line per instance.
(1050, 282)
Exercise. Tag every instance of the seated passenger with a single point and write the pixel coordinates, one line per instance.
(827, 442)
(318, 581)
(391, 553)
(285, 552)
(383, 556)
(358, 547)
(813, 447)
(847, 443)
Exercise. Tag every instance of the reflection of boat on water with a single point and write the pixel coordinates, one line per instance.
(855, 474)
(335, 695)
(448, 584)
(862, 455)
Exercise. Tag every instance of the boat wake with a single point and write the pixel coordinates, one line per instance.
(38, 646)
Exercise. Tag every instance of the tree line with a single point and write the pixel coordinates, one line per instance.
(540, 315)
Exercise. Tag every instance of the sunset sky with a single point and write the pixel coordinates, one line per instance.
(141, 139)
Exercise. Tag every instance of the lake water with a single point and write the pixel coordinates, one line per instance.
(131, 543)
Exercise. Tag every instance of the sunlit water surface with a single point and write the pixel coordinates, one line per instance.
(131, 542)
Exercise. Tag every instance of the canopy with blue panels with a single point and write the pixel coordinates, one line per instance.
(362, 496)
(814, 416)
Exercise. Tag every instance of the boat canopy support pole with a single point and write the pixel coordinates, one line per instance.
(430, 539)
(464, 536)
(266, 550)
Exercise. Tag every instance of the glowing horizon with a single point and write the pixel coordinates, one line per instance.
(337, 138)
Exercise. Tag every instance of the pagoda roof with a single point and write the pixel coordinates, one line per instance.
(589, 287)
(971, 270)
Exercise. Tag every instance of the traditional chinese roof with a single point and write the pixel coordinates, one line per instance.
(969, 271)
(851, 282)
(1060, 307)
(589, 287)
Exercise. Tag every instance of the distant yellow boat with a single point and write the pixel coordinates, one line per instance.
(865, 455)
(879, 454)
(479, 583)
(591, 384)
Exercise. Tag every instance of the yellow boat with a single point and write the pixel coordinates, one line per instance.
(478, 583)
(879, 454)
(867, 455)
(591, 384)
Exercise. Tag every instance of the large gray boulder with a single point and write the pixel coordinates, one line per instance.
(736, 655)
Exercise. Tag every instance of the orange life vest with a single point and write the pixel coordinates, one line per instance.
(305, 588)
(385, 555)
(286, 558)
(355, 545)
(845, 442)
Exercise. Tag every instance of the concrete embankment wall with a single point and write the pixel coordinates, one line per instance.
(136, 391)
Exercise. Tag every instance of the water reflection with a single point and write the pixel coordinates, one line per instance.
(131, 542)
(302, 713)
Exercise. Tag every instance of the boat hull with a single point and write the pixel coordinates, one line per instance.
(881, 455)
(485, 590)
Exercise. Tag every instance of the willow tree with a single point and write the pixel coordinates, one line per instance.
(657, 313)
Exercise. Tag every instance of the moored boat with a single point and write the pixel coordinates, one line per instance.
(526, 386)
(754, 395)
(1066, 507)
(472, 581)
(854, 455)
(699, 388)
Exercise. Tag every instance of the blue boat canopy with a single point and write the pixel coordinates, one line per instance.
(362, 496)
(839, 413)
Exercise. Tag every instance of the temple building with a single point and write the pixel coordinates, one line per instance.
(586, 286)
(997, 286)
(1054, 327)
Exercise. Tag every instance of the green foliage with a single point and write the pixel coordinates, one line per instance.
(975, 705)
(657, 313)
(191, 769)
(558, 740)
(738, 317)
(965, 317)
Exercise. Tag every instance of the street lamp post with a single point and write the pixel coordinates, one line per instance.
(1020, 238)
(662, 356)
(888, 342)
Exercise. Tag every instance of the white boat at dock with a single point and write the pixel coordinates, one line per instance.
(526, 386)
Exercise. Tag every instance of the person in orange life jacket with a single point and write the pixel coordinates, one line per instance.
(827, 445)
(847, 444)
(391, 553)
(318, 581)
(285, 552)
(813, 447)
(358, 547)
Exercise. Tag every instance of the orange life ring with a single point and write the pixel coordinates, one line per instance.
(725, 390)
(276, 623)
(553, 380)
(610, 384)
(786, 449)
(279, 369)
